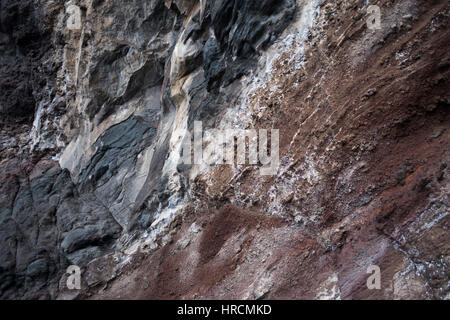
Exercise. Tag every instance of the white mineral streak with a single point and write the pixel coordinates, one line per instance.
(329, 289)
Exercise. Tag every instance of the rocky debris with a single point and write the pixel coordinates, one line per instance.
(90, 165)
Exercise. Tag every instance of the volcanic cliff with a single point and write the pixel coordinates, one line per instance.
(91, 170)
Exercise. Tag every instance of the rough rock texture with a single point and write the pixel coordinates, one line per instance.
(91, 171)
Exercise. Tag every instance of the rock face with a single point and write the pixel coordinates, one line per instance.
(92, 171)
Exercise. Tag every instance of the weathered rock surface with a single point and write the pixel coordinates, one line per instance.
(91, 170)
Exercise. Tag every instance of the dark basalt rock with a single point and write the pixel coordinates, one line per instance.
(24, 45)
(43, 219)
(117, 147)
(242, 29)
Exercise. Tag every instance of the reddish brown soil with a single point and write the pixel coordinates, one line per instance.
(169, 273)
